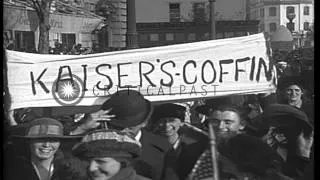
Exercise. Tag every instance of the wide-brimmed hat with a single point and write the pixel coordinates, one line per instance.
(129, 107)
(107, 143)
(43, 128)
(283, 115)
(169, 110)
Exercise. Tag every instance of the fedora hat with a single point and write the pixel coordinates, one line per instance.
(129, 107)
(43, 128)
(169, 110)
(283, 115)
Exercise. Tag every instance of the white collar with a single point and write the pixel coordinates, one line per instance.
(138, 136)
(176, 144)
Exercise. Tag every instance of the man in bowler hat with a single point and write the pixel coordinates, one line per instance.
(128, 111)
(187, 141)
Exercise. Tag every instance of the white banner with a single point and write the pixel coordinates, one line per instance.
(177, 72)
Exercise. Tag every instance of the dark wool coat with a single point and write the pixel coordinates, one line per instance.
(150, 163)
(242, 157)
(251, 154)
(128, 174)
(20, 167)
(179, 162)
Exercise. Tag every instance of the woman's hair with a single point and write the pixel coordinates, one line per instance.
(293, 83)
(234, 108)
(124, 162)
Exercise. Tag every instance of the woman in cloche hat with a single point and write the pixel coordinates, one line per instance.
(110, 154)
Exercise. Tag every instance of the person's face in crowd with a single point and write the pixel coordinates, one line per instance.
(103, 168)
(226, 122)
(168, 126)
(130, 130)
(43, 149)
(293, 93)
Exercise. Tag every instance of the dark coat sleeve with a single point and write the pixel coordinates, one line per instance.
(179, 162)
(150, 163)
(266, 101)
(19, 168)
(296, 166)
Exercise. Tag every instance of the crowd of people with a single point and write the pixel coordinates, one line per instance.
(263, 136)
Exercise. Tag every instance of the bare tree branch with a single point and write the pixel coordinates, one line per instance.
(36, 6)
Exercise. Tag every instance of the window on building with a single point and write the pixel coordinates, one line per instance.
(219, 35)
(306, 26)
(240, 33)
(290, 10)
(228, 34)
(174, 12)
(143, 37)
(24, 41)
(262, 12)
(272, 11)
(191, 36)
(272, 27)
(261, 27)
(290, 26)
(92, 7)
(306, 10)
(154, 37)
(179, 37)
(68, 40)
(169, 37)
(198, 12)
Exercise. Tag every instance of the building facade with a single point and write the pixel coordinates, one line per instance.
(296, 15)
(164, 22)
(148, 11)
(68, 26)
(71, 22)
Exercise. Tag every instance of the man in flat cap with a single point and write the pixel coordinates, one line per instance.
(291, 135)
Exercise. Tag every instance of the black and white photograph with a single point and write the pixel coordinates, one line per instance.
(158, 89)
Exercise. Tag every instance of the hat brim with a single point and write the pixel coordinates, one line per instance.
(104, 148)
(290, 123)
(142, 117)
(47, 137)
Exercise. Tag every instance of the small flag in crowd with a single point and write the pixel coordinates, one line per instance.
(203, 167)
